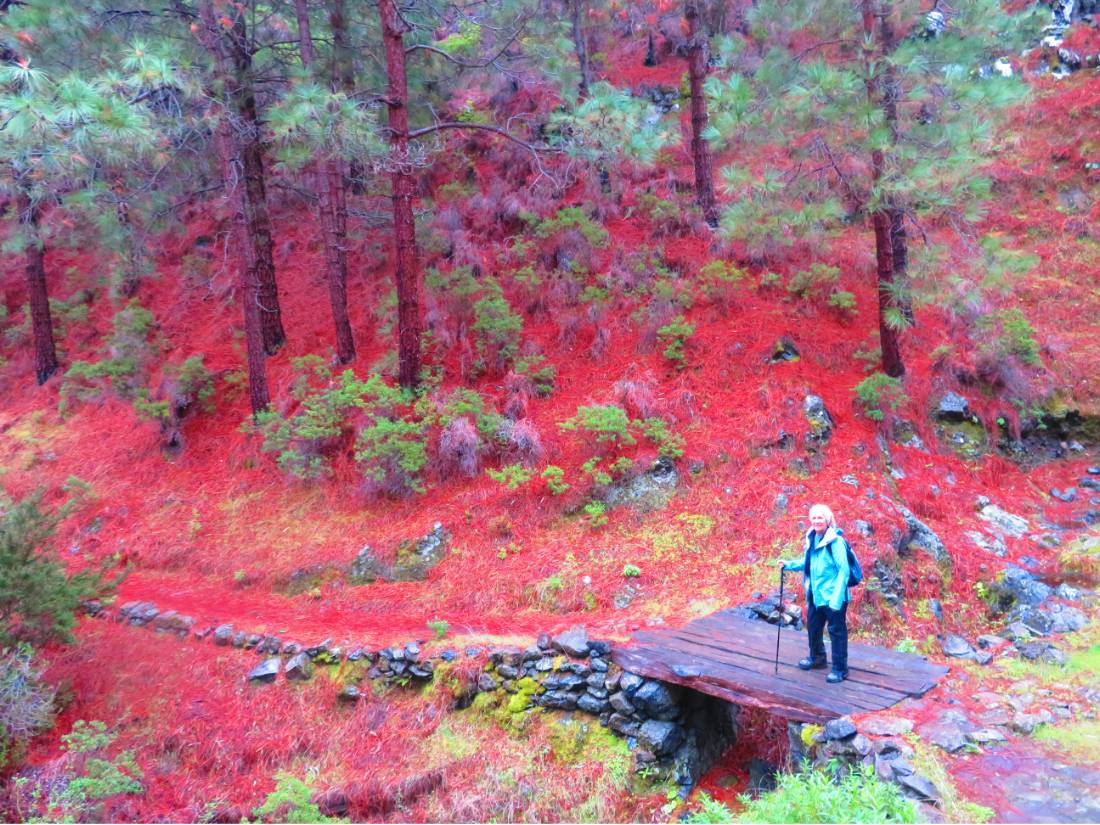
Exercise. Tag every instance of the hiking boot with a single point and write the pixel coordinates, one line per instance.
(811, 664)
(836, 676)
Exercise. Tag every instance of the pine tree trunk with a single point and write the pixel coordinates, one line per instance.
(45, 354)
(700, 150)
(131, 279)
(343, 78)
(326, 177)
(406, 257)
(898, 238)
(580, 43)
(892, 364)
(229, 151)
(228, 45)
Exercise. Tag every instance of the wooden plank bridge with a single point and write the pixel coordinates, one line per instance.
(728, 656)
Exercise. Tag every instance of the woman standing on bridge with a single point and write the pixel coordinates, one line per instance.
(824, 566)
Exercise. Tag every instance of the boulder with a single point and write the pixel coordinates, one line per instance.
(986, 736)
(918, 787)
(366, 567)
(414, 559)
(652, 490)
(557, 700)
(299, 668)
(630, 682)
(223, 634)
(573, 642)
(654, 699)
(621, 704)
(954, 408)
(918, 536)
(266, 671)
(821, 423)
(660, 737)
(945, 734)
(956, 646)
(590, 704)
(841, 728)
(1003, 521)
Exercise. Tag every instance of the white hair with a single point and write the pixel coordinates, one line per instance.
(822, 509)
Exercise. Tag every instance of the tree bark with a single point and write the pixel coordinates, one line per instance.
(580, 44)
(892, 364)
(45, 354)
(700, 149)
(233, 63)
(229, 151)
(343, 78)
(406, 256)
(327, 178)
(899, 240)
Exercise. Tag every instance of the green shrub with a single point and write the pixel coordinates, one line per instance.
(843, 303)
(631, 571)
(605, 424)
(555, 480)
(569, 217)
(291, 802)
(674, 336)
(669, 444)
(591, 468)
(38, 599)
(542, 374)
(667, 217)
(815, 282)
(392, 453)
(497, 330)
(815, 796)
(878, 390)
(189, 386)
(439, 627)
(717, 278)
(595, 513)
(92, 779)
(512, 476)
(1007, 332)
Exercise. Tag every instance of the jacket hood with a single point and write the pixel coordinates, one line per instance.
(831, 534)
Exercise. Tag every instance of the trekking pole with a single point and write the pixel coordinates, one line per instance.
(779, 627)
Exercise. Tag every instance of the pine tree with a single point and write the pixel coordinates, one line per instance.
(886, 120)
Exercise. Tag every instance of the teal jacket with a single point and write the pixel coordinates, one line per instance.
(828, 580)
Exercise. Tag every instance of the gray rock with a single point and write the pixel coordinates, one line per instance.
(299, 668)
(422, 670)
(918, 536)
(507, 671)
(590, 704)
(599, 665)
(544, 665)
(1017, 631)
(987, 641)
(653, 698)
(1004, 522)
(223, 635)
(630, 682)
(1067, 592)
(486, 683)
(821, 423)
(349, 694)
(558, 700)
(1065, 619)
(946, 735)
(918, 787)
(564, 681)
(660, 737)
(1043, 652)
(366, 567)
(986, 736)
(841, 728)
(623, 725)
(266, 671)
(621, 704)
(957, 646)
(1022, 586)
(864, 528)
(652, 490)
(953, 407)
(1068, 495)
(573, 642)
(990, 544)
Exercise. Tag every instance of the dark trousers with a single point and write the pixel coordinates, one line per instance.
(816, 619)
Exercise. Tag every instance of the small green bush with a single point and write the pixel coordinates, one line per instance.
(595, 513)
(843, 303)
(392, 453)
(669, 444)
(605, 424)
(674, 336)
(878, 390)
(497, 330)
(631, 571)
(542, 374)
(718, 278)
(569, 217)
(815, 796)
(512, 476)
(291, 802)
(555, 480)
(93, 778)
(439, 627)
(815, 282)
(1007, 332)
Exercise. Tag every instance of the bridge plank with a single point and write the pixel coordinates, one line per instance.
(728, 656)
(810, 685)
(867, 683)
